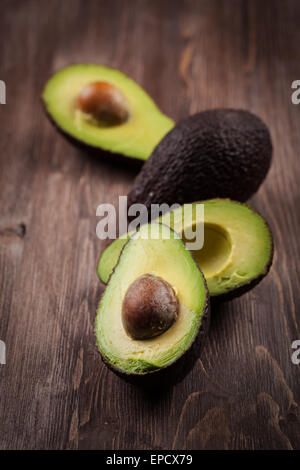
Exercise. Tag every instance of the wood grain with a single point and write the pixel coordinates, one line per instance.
(55, 393)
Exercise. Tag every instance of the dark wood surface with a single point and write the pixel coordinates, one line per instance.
(55, 393)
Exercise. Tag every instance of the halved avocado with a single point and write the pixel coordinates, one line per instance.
(237, 251)
(156, 252)
(103, 108)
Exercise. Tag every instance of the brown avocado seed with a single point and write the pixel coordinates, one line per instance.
(149, 308)
(103, 102)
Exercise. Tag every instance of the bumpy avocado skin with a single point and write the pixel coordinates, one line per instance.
(222, 153)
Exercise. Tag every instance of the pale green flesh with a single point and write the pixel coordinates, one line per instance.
(135, 138)
(169, 259)
(237, 245)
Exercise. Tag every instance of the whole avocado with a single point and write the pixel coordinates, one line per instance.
(223, 153)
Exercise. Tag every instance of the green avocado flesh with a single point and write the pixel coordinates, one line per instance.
(237, 247)
(135, 138)
(155, 249)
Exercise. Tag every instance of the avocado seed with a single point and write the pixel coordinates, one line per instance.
(149, 308)
(103, 102)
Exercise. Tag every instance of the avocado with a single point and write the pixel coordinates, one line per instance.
(103, 108)
(156, 285)
(223, 153)
(237, 251)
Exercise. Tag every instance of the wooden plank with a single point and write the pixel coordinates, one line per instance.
(244, 393)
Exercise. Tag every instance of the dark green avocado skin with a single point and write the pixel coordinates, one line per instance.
(223, 153)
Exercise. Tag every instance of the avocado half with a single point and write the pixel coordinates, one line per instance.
(154, 250)
(135, 138)
(224, 153)
(237, 251)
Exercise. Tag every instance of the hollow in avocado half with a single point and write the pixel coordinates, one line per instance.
(237, 251)
(103, 108)
(154, 305)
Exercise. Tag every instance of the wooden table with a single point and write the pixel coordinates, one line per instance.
(55, 393)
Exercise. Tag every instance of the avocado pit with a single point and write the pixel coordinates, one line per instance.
(104, 103)
(150, 307)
